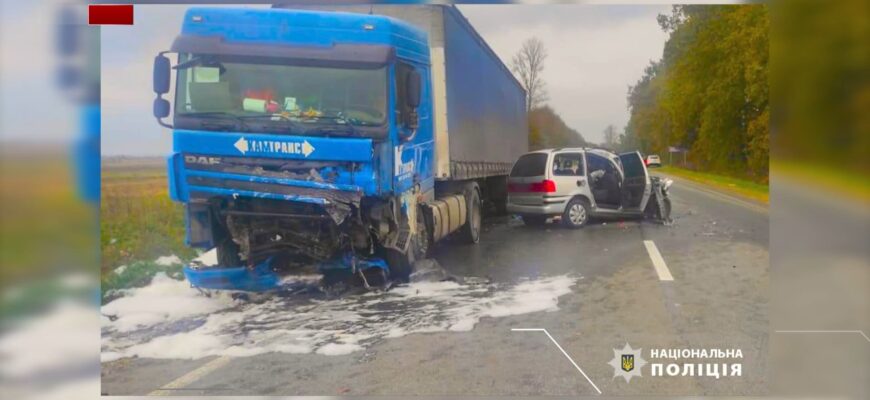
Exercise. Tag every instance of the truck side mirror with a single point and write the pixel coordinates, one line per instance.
(413, 84)
(161, 74)
(161, 108)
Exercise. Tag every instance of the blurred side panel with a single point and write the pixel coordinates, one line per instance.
(49, 188)
(820, 186)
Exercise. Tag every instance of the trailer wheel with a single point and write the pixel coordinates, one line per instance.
(471, 230)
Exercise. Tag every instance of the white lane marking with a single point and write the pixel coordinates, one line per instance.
(560, 349)
(185, 380)
(658, 262)
(852, 331)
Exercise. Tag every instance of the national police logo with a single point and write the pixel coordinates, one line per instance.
(627, 362)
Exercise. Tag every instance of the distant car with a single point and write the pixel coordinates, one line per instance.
(653, 160)
(578, 183)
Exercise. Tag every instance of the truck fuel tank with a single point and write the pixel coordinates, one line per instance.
(448, 215)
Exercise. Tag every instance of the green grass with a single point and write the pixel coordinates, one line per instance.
(138, 223)
(136, 274)
(740, 187)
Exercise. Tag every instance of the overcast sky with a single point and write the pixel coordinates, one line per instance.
(595, 53)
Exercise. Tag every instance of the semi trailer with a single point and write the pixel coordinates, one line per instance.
(348, 141)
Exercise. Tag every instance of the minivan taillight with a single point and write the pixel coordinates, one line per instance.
(546, 186)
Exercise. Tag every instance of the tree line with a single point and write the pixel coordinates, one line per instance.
(709, 93)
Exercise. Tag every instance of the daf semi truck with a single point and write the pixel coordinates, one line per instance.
(349, 141)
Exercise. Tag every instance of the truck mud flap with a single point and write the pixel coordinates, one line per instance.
(261, 278)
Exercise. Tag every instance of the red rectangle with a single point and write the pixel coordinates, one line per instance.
(110, 14)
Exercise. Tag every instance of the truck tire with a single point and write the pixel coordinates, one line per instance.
(402, 265)
(228, 253)
(576, 213)
(470, 232)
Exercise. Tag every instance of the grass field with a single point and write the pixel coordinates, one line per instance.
(139, 223)
(745, 188)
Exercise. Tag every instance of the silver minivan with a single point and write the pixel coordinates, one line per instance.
(575, 184)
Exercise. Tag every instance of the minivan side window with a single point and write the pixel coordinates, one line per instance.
(568, 164)
(597, 162)
(532, 164)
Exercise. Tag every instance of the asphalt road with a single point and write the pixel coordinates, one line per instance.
(716, 252)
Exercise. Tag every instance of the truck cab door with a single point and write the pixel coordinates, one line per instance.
(414, 150)
(636, 184)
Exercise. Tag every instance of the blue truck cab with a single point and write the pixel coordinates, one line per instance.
(307, 138)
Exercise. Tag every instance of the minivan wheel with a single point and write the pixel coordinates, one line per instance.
(576, 214)
(534, 220)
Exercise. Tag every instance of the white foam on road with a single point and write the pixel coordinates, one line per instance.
(164, 300)
(208, 258)
(219, 326)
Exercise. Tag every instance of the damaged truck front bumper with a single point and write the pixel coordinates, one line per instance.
(263, 277)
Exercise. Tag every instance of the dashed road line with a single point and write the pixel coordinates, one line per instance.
(560, 349)
(172, 388)
(658, 262)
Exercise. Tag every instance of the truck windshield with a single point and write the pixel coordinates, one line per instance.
(222, 93)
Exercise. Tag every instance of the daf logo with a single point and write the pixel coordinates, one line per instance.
(202, 160)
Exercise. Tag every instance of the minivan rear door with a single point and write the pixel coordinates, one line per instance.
(636, 184)
(526, 179)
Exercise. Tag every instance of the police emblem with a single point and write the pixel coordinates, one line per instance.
(627, 362)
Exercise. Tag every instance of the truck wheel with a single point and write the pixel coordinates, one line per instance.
(471, 230)
(576, 214)
(401, 265)
(534, 220)
(228, 253)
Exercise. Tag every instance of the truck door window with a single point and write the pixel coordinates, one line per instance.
(568, 164)
(402, 71)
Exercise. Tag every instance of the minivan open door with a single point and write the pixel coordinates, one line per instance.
(636, 186)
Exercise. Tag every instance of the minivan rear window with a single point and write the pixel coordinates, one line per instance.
(532, 164)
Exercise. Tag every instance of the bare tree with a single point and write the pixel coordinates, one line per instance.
(528, 64)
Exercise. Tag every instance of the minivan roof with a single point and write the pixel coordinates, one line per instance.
(589, 149)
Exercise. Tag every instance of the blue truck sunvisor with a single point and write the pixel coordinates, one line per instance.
(366, 54)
